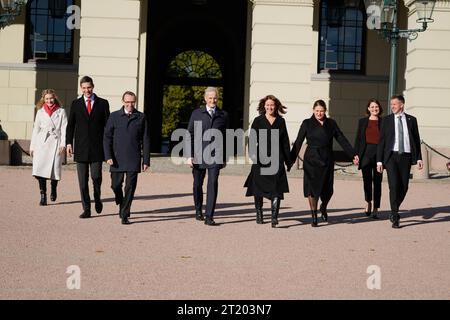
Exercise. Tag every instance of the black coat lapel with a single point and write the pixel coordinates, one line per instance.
(82, 106)
(365, 124)
(409, 124)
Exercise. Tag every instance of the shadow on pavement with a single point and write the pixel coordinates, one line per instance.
(189, 215)
(149, 197)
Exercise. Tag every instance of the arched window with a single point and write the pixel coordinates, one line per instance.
(47, 37)
(342, 35)
(187, 76)
(194, 64)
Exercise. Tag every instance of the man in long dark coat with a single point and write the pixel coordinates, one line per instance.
(87, 120)
(127, 150)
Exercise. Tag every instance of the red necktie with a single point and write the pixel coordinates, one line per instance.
(89, 106)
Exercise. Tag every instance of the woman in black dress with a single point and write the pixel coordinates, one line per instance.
(267, 178)
(318, 163)
(366, 143)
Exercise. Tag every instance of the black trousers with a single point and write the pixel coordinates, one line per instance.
(372, 185)
(398, 169)
(212, 189)
(371, 177)
(130, 187)
(83, 179)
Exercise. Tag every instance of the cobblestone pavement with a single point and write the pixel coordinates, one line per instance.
(166, 254)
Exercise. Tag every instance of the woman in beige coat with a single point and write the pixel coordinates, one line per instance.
(48, 143)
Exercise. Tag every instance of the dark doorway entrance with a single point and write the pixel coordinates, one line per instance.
(216, 28)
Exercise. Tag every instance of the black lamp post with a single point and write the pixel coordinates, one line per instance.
(382, 17)
(11, 9)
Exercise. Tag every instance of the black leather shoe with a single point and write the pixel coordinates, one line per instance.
(98, 207)
(43, 201)
(210, 222)
(125, 221)
(86, 214)
(374, 214)
(199, 216)
(324, 213)
(396, 224)
(396, 221)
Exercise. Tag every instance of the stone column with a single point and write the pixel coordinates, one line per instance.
(281, 57)
(109, 46)
(427, 76)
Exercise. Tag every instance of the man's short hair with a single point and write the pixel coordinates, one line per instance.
(212, 89)
(86, 79)
(128, 93)
(399, 97)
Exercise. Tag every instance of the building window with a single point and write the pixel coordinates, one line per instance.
(47, 38)
(342, 35)
(194, 64)
(187, 76)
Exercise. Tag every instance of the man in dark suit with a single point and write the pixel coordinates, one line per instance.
(207, 152)
(126, 141)
(398, 149)
(87, 120)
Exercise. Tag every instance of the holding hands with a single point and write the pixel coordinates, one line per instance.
(69, 150)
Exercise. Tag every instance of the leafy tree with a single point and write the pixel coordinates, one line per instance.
(180, 100)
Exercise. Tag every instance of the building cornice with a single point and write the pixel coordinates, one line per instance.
(302, 3)
(33, 66)
(325, 76)
(443, 5)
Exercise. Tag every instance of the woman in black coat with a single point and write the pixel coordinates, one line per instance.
(318, 163)
(366, 143)
(267, 178)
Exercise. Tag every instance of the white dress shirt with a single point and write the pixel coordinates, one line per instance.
(406, 144)
(213, 109)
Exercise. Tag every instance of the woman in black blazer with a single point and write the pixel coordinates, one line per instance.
(366, 143)
(265, 181)
(318, 164)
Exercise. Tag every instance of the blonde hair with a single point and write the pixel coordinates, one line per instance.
(41, 101)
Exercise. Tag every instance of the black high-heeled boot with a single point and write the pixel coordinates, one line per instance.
(259, 210)
(53, 194)
(324, 212)
(43, 190)
(314, 222)
(275, 210)
(43, 201)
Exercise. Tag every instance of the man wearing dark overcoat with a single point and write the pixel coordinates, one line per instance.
(206, 137)
(127, 149)
(84, 138)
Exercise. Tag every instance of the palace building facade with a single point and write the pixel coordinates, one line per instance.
(298, 50)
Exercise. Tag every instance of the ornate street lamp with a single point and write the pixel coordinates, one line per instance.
(11, 9)
(382, 17)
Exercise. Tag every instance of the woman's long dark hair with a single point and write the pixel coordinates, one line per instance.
(279, 108)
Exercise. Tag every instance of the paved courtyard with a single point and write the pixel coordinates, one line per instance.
(166, 254)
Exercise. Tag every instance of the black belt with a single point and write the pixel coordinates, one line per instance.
(405, 153)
